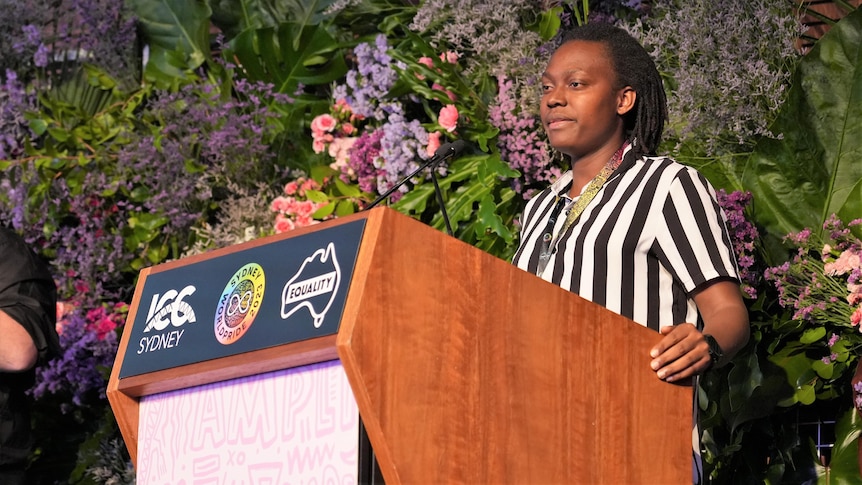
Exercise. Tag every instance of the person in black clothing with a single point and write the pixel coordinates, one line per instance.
(28, 337)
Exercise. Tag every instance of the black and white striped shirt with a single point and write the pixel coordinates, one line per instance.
(652, 235)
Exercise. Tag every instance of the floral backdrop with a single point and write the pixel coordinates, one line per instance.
(135, 133)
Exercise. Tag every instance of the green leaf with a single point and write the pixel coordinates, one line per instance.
(814, 170)
(234, 16)
(324, 211)
(270, 54)
(812, 335)
(316, 196)
(806, 394)
(844, 461)
(549, 23)
(344, 208)
(157, 254)
(177, 32)
(489, 218)
(58, 134)
(347, 190)
(823, 369)
(39, 126)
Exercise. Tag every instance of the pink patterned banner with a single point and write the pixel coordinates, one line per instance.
(296, 426)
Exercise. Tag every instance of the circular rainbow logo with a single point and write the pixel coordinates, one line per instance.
(239, 303)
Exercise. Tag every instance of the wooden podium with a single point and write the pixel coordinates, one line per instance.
(465, 369)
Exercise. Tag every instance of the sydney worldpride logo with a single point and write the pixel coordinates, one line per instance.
(239, 303)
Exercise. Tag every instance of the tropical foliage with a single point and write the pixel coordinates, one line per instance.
(250, 117)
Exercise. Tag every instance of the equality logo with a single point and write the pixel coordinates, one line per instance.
(239, 303)
(313, 287)
(167, 309)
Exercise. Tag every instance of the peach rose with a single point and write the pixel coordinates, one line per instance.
(433, 143)
(450, 94)
(324, 123)
(450, 56)
(283, 224)
(318, 145)
(448, 117)
(340, 150)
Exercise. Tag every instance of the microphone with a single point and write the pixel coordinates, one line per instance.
(446, 151)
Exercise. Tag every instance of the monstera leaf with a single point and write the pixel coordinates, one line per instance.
(816, 169)
(843, 467)
(289, 55)
(235, 16)
(177, 32)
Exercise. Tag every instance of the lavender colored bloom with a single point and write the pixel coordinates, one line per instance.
(363, 161)
(15, 102)
(380, 158)
(367, 86)
(741, 53)
(79, 371)
(520, 142)
(401, 147)
(40, 58)
(743, 235)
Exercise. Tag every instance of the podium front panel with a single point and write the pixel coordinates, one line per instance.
(297, 425)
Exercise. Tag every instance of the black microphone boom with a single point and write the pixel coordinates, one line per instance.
(446, 151)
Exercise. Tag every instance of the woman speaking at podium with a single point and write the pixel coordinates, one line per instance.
(641, 235)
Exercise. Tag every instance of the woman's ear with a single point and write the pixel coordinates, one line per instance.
(626, 100)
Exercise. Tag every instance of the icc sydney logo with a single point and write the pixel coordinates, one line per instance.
(167, 309)
(313, 287)
(239, 303)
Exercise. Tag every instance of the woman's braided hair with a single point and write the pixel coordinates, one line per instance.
(634, 67)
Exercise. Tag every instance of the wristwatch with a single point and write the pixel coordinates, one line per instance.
(715, 352)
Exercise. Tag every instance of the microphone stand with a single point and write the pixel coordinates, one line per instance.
(432, 160)
(440, 200)
(446, 151)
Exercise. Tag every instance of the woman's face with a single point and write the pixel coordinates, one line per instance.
(581, 105)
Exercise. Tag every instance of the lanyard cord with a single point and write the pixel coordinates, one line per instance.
(549, 240)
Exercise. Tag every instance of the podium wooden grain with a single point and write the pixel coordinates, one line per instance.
(468, 370)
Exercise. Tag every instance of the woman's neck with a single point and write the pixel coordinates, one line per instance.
(585, 168)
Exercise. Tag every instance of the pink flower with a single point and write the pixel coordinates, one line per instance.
(450, 57)
(323, 123)
(448, 117)
(318, 146)
(348, 129)
(433, 143)
(855, 295)
(308, 184)
(281, 204)
(341, 106)
(450, 94)
(283, 224)
(856, 317)
(291, 187)
(305, 209)
(846, 262)
(340, 150)
(303, 221)
(425, 61)
(64, 308)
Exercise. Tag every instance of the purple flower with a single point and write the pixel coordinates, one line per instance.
(743, 235)
(367, 86)
(519, 141)
(81, 371)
